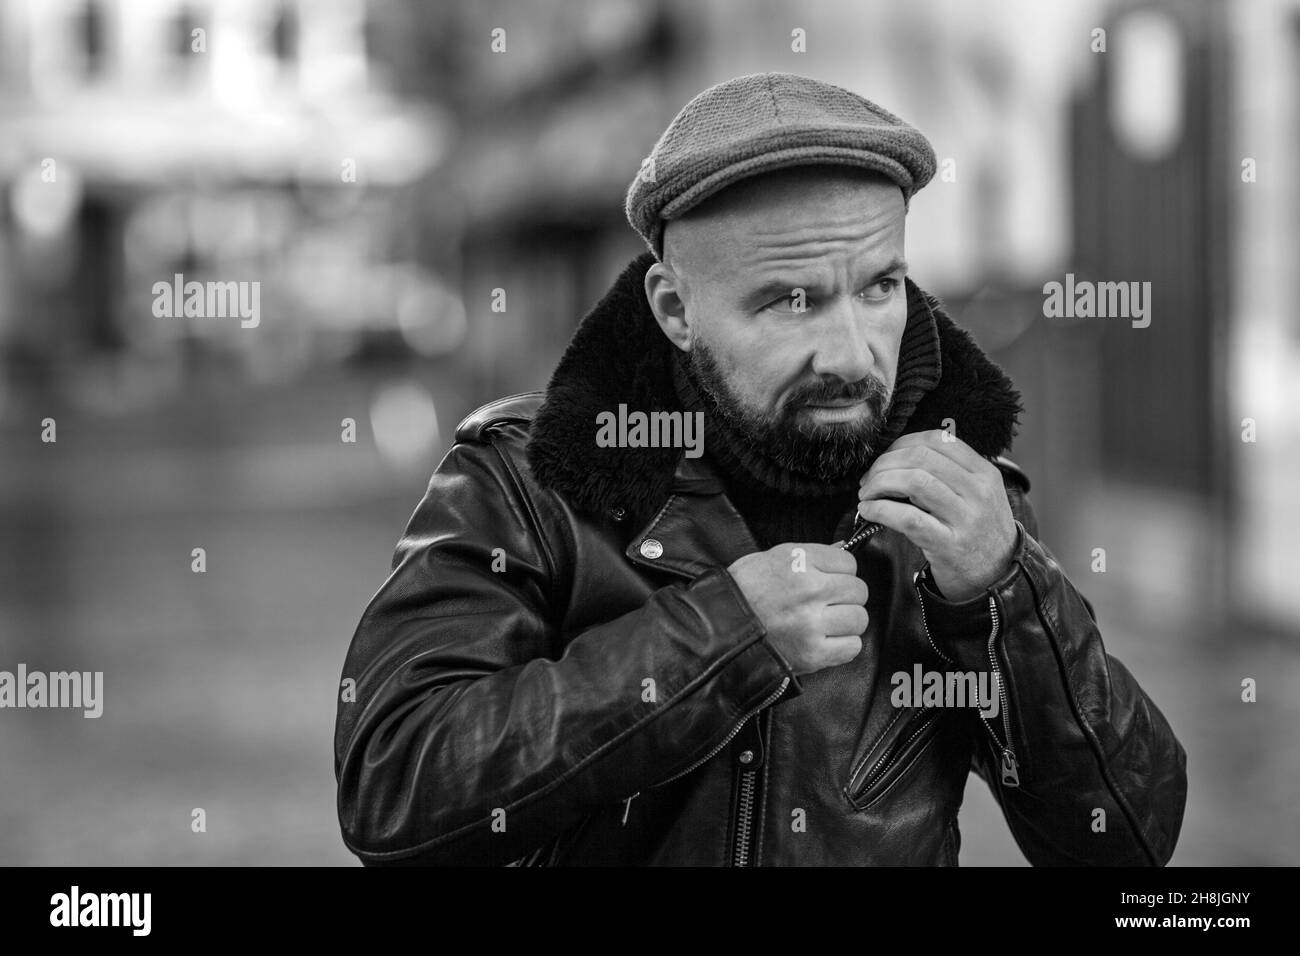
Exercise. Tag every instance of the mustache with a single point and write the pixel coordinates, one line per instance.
(828, 453)
(869, 388)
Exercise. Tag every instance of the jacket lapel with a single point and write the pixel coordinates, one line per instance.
(697, 528)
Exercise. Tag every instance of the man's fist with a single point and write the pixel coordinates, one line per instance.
(810, 599)
(954, 508)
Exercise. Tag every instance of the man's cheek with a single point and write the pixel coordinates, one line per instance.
(774, 396)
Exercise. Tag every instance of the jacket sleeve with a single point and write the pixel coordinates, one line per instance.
(1092, 773)
(479, 732)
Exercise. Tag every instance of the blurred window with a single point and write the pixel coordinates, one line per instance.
(284, 35)
(184, 24)
(1147, 85)
(91, 28)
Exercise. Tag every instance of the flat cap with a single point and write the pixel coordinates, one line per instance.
(761, 122)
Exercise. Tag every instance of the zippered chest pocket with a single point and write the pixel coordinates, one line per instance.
(906, 737)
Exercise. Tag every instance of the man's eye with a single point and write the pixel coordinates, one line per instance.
(793, 304)
(880, 290)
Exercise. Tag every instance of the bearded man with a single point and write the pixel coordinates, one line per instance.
(619, 653)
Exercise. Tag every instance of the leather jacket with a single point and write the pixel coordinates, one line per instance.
(560, 670)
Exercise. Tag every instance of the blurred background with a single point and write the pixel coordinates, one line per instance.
(380, 170)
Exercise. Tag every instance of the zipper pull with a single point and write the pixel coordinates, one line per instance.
(627, 806)
(1010, 769)
(862, 530)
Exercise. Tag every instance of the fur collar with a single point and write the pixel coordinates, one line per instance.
(618, 354)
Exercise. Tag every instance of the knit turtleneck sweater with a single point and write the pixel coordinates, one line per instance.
(780, 505)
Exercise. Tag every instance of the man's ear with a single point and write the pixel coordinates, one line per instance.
(665, 293)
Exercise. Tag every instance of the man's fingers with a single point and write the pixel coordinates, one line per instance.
(923, 530)
(950, 472)
(946, 444)
(845, 589)
(827, 558)
(921, 487)
(839, 620)
(841, 650)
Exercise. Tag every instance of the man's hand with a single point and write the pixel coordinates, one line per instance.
(810, 599)
(957, 511)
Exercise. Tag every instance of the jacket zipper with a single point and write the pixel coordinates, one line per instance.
(925, 625)
(785, 682)
(745, 817)
(748, 781)
(745, 811)
(887, 760)
(1010, 768)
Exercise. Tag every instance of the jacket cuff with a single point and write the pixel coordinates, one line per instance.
(794, 689)
(950, 620)
(968, 620)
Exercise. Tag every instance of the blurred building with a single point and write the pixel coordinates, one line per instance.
(1262, 344)
(233, 141)
(1191, 454)
(448, 186)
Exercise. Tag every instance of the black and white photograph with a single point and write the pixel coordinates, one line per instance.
(649, 433)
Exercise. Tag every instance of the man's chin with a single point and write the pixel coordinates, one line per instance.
(829, 452)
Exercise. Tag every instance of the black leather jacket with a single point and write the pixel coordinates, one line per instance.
(559, 669)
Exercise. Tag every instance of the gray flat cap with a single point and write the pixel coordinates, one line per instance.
(761, 122)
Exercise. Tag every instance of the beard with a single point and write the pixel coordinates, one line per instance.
(827, 451)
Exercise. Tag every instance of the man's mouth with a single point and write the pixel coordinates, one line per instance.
(840, 410)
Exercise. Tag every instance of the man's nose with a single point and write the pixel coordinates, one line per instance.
(840, 346)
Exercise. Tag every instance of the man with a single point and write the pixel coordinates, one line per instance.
(598, 646)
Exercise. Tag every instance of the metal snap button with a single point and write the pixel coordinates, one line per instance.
(650, 548)
(747, 756)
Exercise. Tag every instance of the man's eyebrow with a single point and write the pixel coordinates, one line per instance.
(770, 290)
(896, 264)
(777, 288)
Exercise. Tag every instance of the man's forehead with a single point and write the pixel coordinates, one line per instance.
(788, 215)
